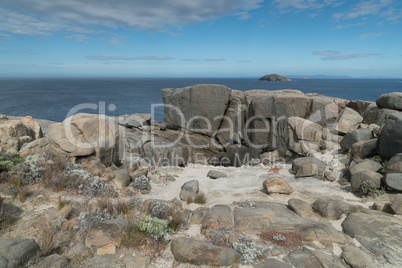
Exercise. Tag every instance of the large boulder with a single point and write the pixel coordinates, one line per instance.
(354, 136)
(87, 134)
(13, 128)
(198, 252)
(199, 108)
(348, 120)
(394, 181)
(364, 149)
(378, 232)
(267, 115)
(390, 138)
(105, 232)
(232, 126)
(35, 130)
(190, 190)
(394, 165)
(277, 185)
(366, 165)
(376, 115)
(303, 161)
(357, 258)
(359, 178)
(391, 101)
(325, 110)
(304, 129)
(16, 252)
(333, 207)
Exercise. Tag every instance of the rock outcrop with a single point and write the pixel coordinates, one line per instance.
(275, 78)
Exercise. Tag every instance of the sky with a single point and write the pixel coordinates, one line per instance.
(194, 38)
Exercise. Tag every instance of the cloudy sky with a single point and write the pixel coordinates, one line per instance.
(194, 38)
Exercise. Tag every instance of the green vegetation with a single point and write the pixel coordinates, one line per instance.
(383, 163)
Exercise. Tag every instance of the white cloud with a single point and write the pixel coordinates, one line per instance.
(78, 37)
(370, 35)
(44, 17)
(300, 5)
(215, 59)
(154, 58)
(19, 52)
(350, 56)
(326, 52)
(108, 57)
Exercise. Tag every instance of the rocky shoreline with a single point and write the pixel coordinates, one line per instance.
(240, 179)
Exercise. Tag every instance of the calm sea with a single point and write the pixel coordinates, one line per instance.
(53, 99)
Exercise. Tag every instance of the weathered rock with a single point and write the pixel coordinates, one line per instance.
(267, 215)
(215, 174)
(25, 140)
(360, 106)
(348, 120)
(307, 171)
(273, 263)
(202, 253)
(397, 204)
(269, 157)
(357, 258)
(15, 252)
(141, 183)
(94, 166)
(394, 181)
(390, 101)
(198, 215)
(300, 207)
(158, 208)
(105, 232)
(277, 185)
(366, 165)
(122, 178)
(390, 138)
(334, 208)
(274, 78)
(302, 161)
(87, 134)
(325, 110)
(308, 258)
(361, 134)
(35, 130)
(135, 120)
(376, 115)
(360, 177)
(304, 129)
(10, 145)
(202, 109)
(394, 165)
(232, 126)
(364, 149)
(267, 113)
(330, 176)
(218, 214)
(378, 232)
(13, 128)
(304, 148)
(54, 261)
(109, 249)
(35, 147)
(189, 190)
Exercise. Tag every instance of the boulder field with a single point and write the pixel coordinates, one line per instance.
(240, 179)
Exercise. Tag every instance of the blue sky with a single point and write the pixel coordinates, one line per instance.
(194, 38)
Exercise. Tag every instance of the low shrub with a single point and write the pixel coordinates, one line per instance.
(218, 235)
(249, 250)
(201, 199)
(383, 163)
(8, 162)
(368, 188)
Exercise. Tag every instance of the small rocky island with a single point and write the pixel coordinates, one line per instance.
(275, 78)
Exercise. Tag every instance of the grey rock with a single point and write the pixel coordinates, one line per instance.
(366, 165)
(348, 120)
(35, 147)
(198, 215)
(301, 161)
(10, 145)
(306, 258)
(189, 189)
(302, 208)
(309, 170)
(305, 129)
(273, 263)
(360, 106)
(160, 209)
(269, 157)
(379, 232)
(334, 208)
(277, 185)
(357, 258)
(354, 136)
(221, 214)
(394, 181)
(394, 165)
(360, 177)
(330, 176)
(141, 183)
(54, 261)
(390, 138)
(215, 174)
(325, 110)
(122, 178)
(396, 205)
(188, 250)
(16, 252)
(13, 128)
(105, 232)
(202, 105)
(376, 115)
(390, 100)
(364, 149)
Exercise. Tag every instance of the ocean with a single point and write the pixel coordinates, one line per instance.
(54, 98)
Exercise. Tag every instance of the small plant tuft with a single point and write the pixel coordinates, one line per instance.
(250, 251)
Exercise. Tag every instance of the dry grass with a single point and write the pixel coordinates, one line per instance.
(201, 199)
(47, 238)
(291, 239)
(23, 193)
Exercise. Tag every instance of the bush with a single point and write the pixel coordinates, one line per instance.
(154, 227)
(249, 249)
(218, 235)
(201, 199)
(8, 162)
(383, 163)
(368, 188)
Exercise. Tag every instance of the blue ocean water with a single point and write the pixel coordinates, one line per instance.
(54, 98)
